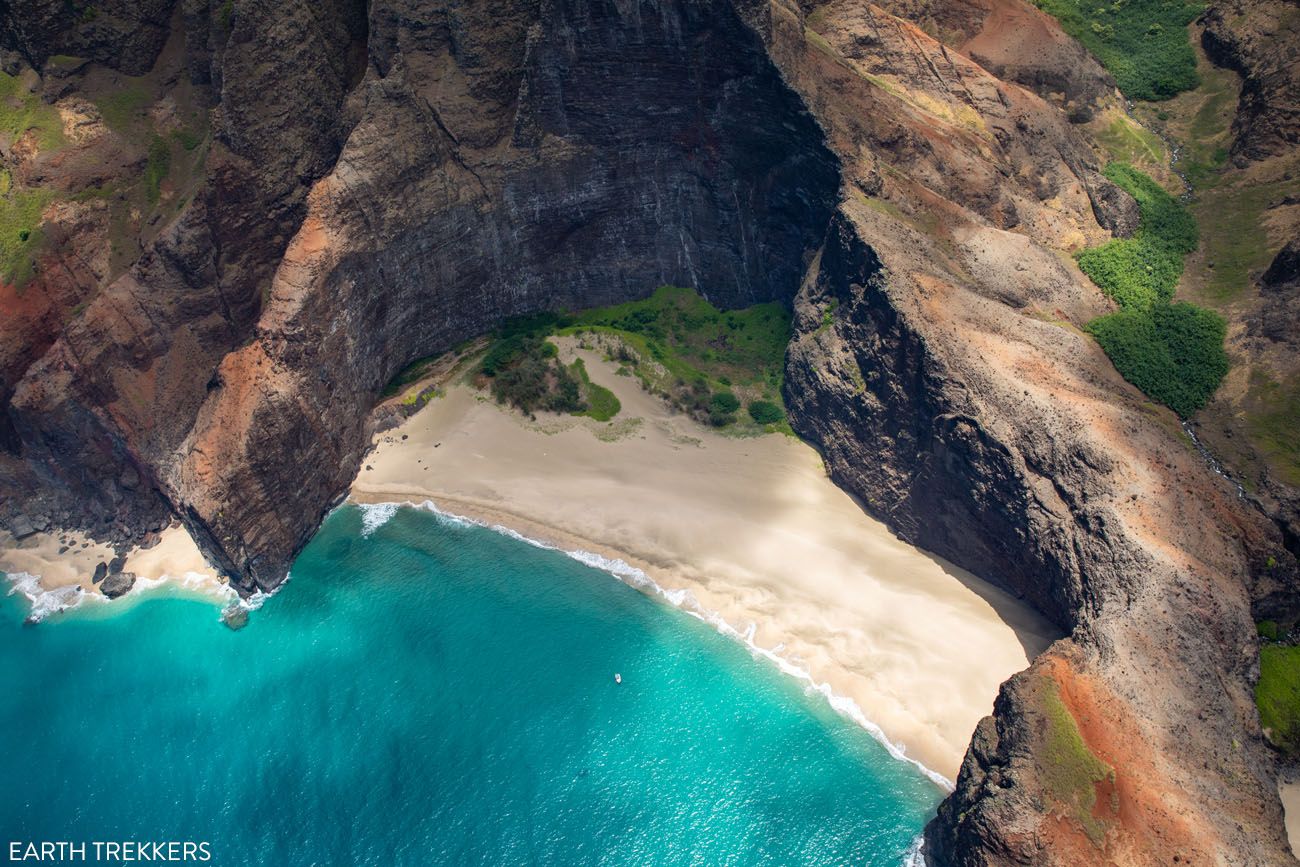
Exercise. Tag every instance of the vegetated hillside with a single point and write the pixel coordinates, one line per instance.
(1173, 352)
(385, 180)
(1142, 42)
(702, 360)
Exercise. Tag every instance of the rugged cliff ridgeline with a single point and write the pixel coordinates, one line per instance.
(236, 222)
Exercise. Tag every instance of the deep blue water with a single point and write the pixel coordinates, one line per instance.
(434, 693)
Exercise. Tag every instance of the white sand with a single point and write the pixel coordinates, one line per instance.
(53, 581)
(755, 531)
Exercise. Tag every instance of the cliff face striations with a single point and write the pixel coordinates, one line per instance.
(352, 186)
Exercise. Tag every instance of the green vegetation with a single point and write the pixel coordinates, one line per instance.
(1143, 270)
(602, 404)
(1072, 771)
(225, 13)
(1267, 630)
(187, 139)
(765, 412)
(525, 373)
(697, 357)
(706, 362)
(1172, 352)
(1129, 142)
(21, 110)
(1235, 241)
(413, 372)
(1272, 419)
(522, 366)
(124, 106)
(155, 170)
(20, 234)
(1142, 42)
(1278, 695)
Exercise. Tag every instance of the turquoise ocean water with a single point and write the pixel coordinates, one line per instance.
(435, 693)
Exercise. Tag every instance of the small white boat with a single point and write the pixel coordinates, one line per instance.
(618, 678)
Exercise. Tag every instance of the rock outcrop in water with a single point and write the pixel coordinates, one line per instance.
(383, 180)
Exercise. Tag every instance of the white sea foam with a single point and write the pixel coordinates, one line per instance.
(914, 857)
(685, 601)
(192, 582)
(44, 602)
(376, 515)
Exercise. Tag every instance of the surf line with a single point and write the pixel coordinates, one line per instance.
(375, 515)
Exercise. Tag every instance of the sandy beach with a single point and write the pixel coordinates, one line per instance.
(751, 527)
(54, 570)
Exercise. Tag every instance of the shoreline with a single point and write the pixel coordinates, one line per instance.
(623, 567)
(747, 534)
(54, 580)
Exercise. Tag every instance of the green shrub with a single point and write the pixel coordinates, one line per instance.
(1173, 353)
(718, 418)
(1267, 630)
(765, 412)
(724, 402)
(1142, 42)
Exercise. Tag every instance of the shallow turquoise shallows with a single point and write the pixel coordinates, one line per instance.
(435, 694)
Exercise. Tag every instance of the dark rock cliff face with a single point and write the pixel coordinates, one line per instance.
(1078, 764)
(945, 481)
(504, 160)
(85, 415)
(122, 34)
(470, 161)
(1260, 40)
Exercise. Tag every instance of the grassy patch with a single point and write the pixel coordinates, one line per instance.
(20, 232)
(704, 361)
(1235, 241)
(696, 356)
(738, 344)
(21, 111)
(1172, 352)
(124, 107)
(1278, 695)
(1072, 771)
(602, 404)
(156, 168)
(1142, 42)
(1273, 421)
(1129, 142)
